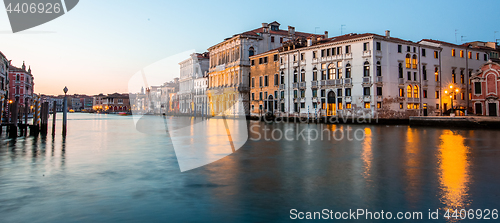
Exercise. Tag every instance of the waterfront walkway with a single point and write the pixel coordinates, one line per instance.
(457, 121)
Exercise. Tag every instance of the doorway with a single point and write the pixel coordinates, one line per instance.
(492, 108)
(331, 106)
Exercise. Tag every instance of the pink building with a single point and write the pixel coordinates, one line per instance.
(21, 84)
(486, 89)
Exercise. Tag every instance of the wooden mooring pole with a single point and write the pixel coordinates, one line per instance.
(54, 118)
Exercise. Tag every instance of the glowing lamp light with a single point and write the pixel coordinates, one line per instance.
(456, 90)
(446, 92)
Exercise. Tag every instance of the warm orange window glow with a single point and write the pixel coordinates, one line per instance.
(461, 53)
(408, 91)
(452, 52)
(408, 61)
(367, 104)
(470, 55)
(348, 105)
(415, 92)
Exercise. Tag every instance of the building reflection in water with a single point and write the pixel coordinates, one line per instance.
(413, 164)
(454, 177)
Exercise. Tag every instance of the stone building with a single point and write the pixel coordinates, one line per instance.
(264, 83)
(229, 72)
(21, 84)
(486, 90)
(191, 69)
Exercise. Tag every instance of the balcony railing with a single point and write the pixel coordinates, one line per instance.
(401, 81)
(348, 81)
(366, 80)
(282, 86)
(379, 79)
(314, 83)
(338, 81)
(367, 98)
(330, 82)
(295, 85)
(302, 84)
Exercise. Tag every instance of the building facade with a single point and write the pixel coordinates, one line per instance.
(21, 84)
(229, 73)
(191, 69)
(264, 83)
(486, 90)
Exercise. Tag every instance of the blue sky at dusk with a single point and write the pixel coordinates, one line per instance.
(99, 45)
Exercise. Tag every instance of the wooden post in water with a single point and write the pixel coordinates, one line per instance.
(35, 129)
(13, 126)
(45, 117)
(54, 118)
(65, 110)
(26, 111)
(2, 100)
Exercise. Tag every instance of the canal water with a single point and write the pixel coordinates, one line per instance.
(106, 170)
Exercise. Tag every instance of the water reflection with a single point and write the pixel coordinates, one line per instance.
(454, 174)
(367, 154)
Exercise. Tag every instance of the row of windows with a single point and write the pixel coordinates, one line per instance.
(263, 60)
(469, 55)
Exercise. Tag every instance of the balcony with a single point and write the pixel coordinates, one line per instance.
(378, 53)
(330, 82)
(379, 79)
(347, 81)
(282, 86)
(426, 82)
(367, 53)
(366, 80)
(367, 98)
(348, 99)
(338, 81)
(314, 84)
(379, 98)
(315, 60)
(348, 56)
(401, 81)
(295, 85)
(295, 64)
(302, 85)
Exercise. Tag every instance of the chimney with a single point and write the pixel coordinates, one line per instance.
(326, 34)
(309, 41)
(265, 27)
(291, 30)
(387, 33)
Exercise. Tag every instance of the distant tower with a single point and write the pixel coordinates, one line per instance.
(24, 66)
(142, 90)
(29, 69)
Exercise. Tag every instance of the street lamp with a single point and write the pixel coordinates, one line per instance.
(452, 93)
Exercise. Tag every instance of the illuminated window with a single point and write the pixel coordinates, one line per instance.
(348, 105)
(436, 74)
(461, 96)
(462, 79)
(400, 105)
(408, 61)
(409, 106)
(469, 54)
(435, 54)
(453, 76)
(331, 71)
(366, 69)
(424, 93)
(461, 53)
(477, 56)
(367, 104)
(415, 92)
(401, 92)
(409, 93)
(452, 52)
(437, 94)
(414, 62)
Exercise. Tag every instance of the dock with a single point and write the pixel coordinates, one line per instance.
(457, 121)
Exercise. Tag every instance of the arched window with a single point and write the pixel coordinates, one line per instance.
(415, 91)
(379, 69)
(331, 71)
(17, 77)
(315, 74)
(400, 70)
(453, 52)
(414, 62)
(251, 51)
(409, 91)
(302, 75)
(323, 71)
(408, 61)
(282, 81)
(295, 76)
(366, 69)
(348, 70)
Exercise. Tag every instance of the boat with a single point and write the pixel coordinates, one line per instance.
(122, 113)
(71, 111)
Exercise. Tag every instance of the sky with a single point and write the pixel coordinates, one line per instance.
(100, 44)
